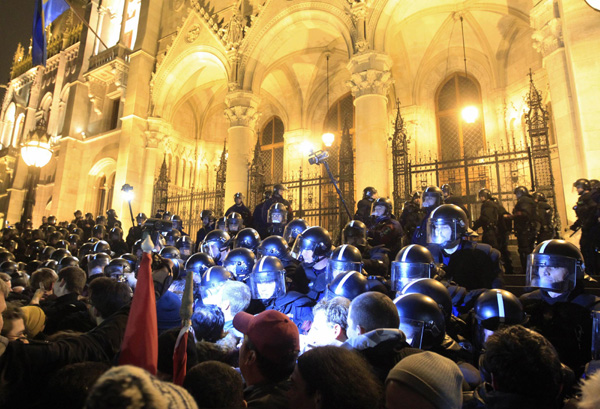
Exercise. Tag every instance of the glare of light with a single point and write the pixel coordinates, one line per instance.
(328, 139)
(36, 153)
(470, 114)
(78, 130)
(306, 148)
(127, 193)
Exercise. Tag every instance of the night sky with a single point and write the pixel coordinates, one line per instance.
(16, 21)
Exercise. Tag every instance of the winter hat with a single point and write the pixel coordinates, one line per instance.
(436, 378)
(130, 387)
(167, 312)
(34, 319)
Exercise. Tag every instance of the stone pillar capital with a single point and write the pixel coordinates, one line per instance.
(242, 109)
(546, 22)
(370, 74)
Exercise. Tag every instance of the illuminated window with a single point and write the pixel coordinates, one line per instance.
(340, 115)
(271, 145)
(132, 18)
(458, 138)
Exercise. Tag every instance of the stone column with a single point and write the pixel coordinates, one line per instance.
(548, 41)
(371, 78)
(242, 115)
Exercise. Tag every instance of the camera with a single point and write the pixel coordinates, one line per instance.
(318, 157)
(163, 226)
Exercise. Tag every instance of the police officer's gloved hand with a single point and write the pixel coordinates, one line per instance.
(573, 227)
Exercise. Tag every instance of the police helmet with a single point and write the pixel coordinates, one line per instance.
(485, 193)
(172, 236)
(184, 244)
(343, 259)
(9, 267)
(293, 229)
(583, 183)
(177, 222)
(207, 214)
(349, 285)
(51, 264)
(369, 192)
(170, 252)
(555, 266)
(101, 220)
(85, 249)
(221, 224)
(51, 220)
(434, 289)
(131, 259)
(45, 255)
(59, 254)
(35, 248)
(355, 233)
(421, 320)
(267, 194)
(67, 261)
(102, 246)
(97, 260)
(594, 183)
(521, 191)
(116, 232)
(99, 231)
(235, 222)
(247, 238)
(315, 239)
(49, 229)
(412, 263)
(211, 284)
(118, 269)
(239, 262)
(385, 202)
(446, 225)
(141, 217)
(539, 197)
(279, 187)
(198, 263)
(61, 244)
(267, 279)
(432, 197)
(215, 242)
(54, 237)
(274, 246)
(277, 213)
(496, 307)
(446, 190)
(167, 215)
(238, 195)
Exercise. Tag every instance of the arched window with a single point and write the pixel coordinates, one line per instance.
(340, 115)
(458, 138)
(271, 145)
(9, 123)
(105, 190)
(16, 138)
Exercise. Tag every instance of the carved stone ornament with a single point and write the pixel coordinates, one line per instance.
(549, 38)
(193, 33)
(370, 82)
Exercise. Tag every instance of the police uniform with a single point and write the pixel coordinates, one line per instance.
(410, 219)
(524, 214)
(243, 211)
(488, 220)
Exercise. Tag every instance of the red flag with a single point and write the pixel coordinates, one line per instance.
(140, 343)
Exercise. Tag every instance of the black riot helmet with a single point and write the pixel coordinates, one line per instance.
(421, 320)
(198, 263)
(293, 229)
(97, 260)
(85, 249)
(385, 203)
(555, 266)
(221, 224)
(278, 187)
(102, 246)
(51, 264)
(247, 238)
(485, 193)
(267, 279)
(212, 282)
(214, 243)
(206, 213)
(170, 252)
(131, 259)
(239, 262)
(9, 267)
(274, 246)
(495, 309)
(267, 194)
(35, 248)
(434, 289)
(369, 192)
(583, 184)
(167, 215)
(412, 262)
(277, 214)
(45, 255)
(141, 218)
(101, 220)
(595, 183)
(343, 259)
(99, 231)
(59, 254)
(446, 190)
(119, 269)
(432, 197)
(184, 245)
(238, 195)
(349, 285)
(172, 236)
(315, 239)
(177, 222)
(235, 222)
(539, 197)
(521, 191)
(355, 233)
(116, 233)
(52, 220)
(446, 225)
(61, 244)
(67, 261)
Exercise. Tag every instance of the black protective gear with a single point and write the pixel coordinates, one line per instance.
(215, 242)
(386, 203)
(274, 246)
(267, 280)
(343, 259)
(555, 266)
(61, 244)
(221, 224)
(167, 215)
(446, 215)
(446, 189)
(488, 221)
(434, 289)
(9, 267)
(177, 222)
(140, 217)
(45, 255)
(99, 231)
(51, 220)
(520, 191)
(235, 222)
(277, 214)
(355, 233)
(238, 195)
(97, 260)
(212, 281)
(85, 249)
(315, 239)
(170, 252)
(51, 264)
(59, 254)
(74, 239)
(67, 261)
(485, 193)
(497, 307)
(369, 192)
(435, 193)
(526, 225)
(131, 259)
(239, 262)
(101, 220)
(539, 197)
(279, 187)
(421, 320)
(102, 246)
(583, 184)
(118, 269)
(349, 285)
(293, 229)
(207, 214)
(413, 262)
(198, 263)
(247, 238)
(172, 236)
(184, 244)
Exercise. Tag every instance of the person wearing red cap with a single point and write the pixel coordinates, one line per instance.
(267, 357)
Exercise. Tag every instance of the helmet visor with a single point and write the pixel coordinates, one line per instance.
(302, 245)
(551, 273)
(413, 330)
(277, 217)
(404, 273)
(267, 285)
(212, 249)
(337, 267)
(441, 232)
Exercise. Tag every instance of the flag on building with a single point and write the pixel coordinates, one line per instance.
(45, 12)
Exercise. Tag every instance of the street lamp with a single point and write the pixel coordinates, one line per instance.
(127, 194)
(328, 139)
(36, 153)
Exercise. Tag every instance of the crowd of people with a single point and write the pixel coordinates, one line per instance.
(407, 313)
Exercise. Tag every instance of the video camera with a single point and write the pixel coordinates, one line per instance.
(159, 225)
(318, 157)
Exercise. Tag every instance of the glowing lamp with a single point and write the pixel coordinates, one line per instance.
(470, 114)
(328, 139)
(127, 193)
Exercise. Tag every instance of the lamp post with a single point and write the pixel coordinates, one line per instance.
(36, 153)
(127, 194)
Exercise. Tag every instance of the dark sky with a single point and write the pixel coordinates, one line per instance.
(16, 21)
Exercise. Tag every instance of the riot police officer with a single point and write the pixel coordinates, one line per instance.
(241, 208)
(277, 197)
(247, 238)
(135, 232)
(277, 218)
(312, 248)
(525, 221)
(449, 198)
(235, 223)
(411, 217)
(587, 220)
(363, 207)
(178, 224)
(488, 219)
(293, 229)
(545, 215)
(208, 225)
(383, 228)
(375, 259)
(216, 245)
(239, 262)
(432, 197)
(259, 216)
(413, 262)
